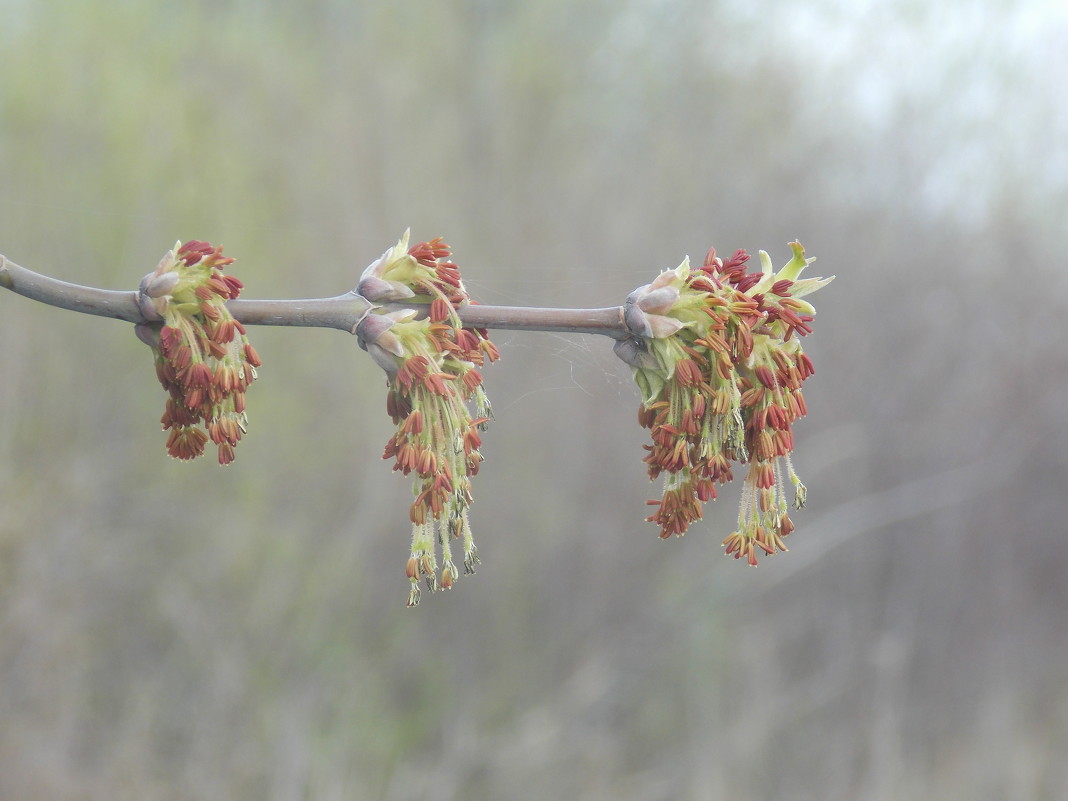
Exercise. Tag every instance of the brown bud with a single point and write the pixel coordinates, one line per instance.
(156, 286)
(379, 290)
(149, 334)
(633, 351)
(658, 301)
(636, 321)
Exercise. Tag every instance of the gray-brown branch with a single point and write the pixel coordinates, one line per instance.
(343, 312)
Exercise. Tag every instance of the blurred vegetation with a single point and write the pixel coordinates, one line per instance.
(172, 631)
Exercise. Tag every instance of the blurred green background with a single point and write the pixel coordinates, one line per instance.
(176, 631)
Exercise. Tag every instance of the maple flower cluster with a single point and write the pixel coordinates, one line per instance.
(202, 354)
(717, 356)
(432, 367)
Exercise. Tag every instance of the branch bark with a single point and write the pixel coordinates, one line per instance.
(342, 312)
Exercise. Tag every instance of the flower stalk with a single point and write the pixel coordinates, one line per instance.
(342, 312)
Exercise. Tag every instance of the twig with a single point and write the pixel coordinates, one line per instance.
(342, 312)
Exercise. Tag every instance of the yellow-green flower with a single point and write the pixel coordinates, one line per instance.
(203, 357)
(720, 372)
(435, 398)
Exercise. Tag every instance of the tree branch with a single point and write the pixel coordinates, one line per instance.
(343, 312)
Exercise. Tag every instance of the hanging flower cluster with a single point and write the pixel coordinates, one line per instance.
(203, 357)
(431, 365)
(720, 370)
